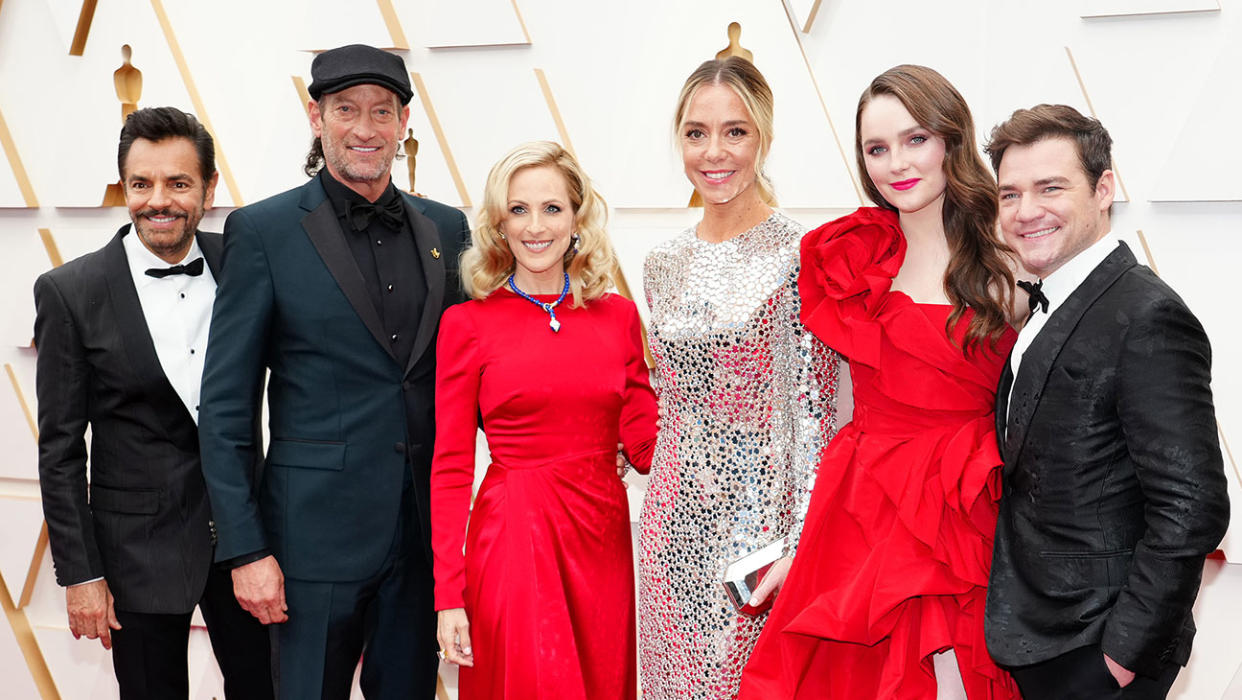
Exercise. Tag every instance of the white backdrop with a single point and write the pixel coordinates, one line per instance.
(1161, 74)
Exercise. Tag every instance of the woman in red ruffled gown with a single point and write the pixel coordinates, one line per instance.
(541, 604)
(891, 570)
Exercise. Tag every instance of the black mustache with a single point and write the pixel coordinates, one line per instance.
(162, 212)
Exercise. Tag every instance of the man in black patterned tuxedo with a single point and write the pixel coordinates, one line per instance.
(121, 334)
(1114, 488)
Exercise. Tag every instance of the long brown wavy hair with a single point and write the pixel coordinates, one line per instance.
(978, 276)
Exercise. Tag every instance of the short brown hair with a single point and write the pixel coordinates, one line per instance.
(1027, 126)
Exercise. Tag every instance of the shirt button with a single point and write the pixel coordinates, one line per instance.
(191, 351)
(394, 338)
(379, 242)
(183, 295)
(390, 289)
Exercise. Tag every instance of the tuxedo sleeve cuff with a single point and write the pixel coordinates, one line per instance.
(230, 564)
(83, 583)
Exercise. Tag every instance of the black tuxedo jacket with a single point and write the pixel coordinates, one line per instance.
(1114, 488)
(346, 419)
(146, 524)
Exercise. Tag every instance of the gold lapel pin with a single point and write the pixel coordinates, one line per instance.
(435, 253)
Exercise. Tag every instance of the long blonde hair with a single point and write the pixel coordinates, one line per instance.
(740, 76)
(487, 264)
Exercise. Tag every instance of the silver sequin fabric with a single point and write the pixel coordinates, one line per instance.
(747, 400)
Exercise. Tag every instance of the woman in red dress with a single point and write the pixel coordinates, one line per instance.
(541, 604)
(886, 593)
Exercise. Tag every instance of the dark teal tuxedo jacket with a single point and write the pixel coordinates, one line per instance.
(345, 418)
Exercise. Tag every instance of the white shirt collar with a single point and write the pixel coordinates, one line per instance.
(141, 259)
(1059, 285)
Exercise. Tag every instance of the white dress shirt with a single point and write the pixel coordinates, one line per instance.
(1058, 287)
(177, 309)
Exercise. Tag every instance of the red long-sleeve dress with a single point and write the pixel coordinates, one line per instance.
(547, 576)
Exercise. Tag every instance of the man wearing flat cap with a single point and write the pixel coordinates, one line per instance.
(336, 288)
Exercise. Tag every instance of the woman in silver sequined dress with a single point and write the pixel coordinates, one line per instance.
(747, 396)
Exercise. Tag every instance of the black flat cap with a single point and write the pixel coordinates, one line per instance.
(358, 64)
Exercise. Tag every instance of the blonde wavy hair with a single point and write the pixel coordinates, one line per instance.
(487, 264)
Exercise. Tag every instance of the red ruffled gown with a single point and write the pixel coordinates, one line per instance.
(895, 553)
(547, 578)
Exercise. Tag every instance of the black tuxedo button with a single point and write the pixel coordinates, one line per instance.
(399, 448)
(394, 337)
(406, 385)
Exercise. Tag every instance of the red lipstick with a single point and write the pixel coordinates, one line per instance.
(905, 184)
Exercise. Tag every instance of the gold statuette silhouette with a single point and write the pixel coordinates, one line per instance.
(410, 145)
(128, 82)
(735, 47)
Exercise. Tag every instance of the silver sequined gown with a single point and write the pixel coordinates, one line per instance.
(747, 398)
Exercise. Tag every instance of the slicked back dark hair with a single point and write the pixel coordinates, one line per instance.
(160, 123)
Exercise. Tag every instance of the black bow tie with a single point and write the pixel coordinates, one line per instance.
(391, 213)
(194, 268)
(1038, 299)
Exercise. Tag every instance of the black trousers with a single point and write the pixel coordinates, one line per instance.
(149, 651)
(1081, 674)
(388, 619)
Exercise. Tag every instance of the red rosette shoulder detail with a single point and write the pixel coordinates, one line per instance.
(848, 266)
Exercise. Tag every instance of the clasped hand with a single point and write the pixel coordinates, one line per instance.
(453, 633)
(91, 612)
(260, 589)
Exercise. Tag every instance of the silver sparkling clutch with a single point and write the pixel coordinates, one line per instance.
(743, 575)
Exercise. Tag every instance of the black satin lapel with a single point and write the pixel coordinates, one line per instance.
(212, 245)
(1002, 404)
(132, 325)
(427, 239)
(325, 233)
(1039, 358)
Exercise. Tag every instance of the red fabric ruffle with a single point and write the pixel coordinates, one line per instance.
(894, 558)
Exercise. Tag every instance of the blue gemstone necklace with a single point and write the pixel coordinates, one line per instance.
(554, 324)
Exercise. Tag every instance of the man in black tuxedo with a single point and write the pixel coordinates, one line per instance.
(121, 334)
(1114, 487)
(336, 287)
